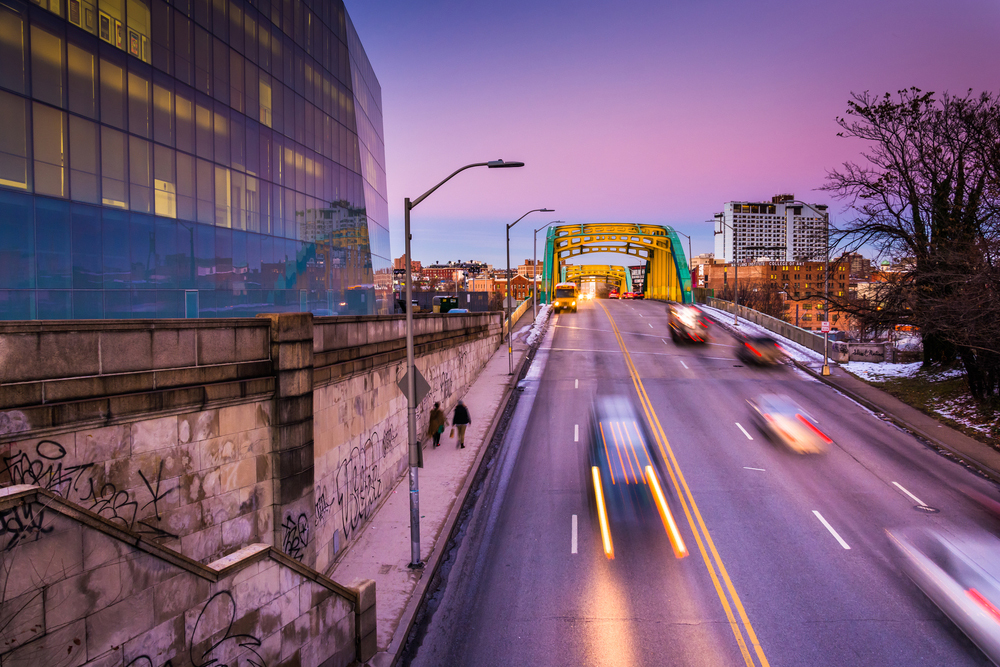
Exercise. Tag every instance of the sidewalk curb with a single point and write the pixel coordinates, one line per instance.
(964, 457)
(984, 469)
(392, 654)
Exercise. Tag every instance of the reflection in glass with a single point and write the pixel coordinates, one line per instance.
(50, 150)
(82, 81)
(84, 175)
(12, 50)
(114, 191)
(112, 89)
(48, 65)
(14, 145)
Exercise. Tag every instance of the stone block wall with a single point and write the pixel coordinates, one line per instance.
(199, 482)
(359, 419)
(78, 590)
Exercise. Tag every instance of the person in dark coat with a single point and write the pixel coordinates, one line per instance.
(436, 425)
(461, 421)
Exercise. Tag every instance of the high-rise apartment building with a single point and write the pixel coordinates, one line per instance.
(189, 158)
(780, 230)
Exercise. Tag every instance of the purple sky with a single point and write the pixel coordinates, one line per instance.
(634, 111)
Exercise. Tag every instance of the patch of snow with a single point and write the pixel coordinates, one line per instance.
(959, 409)
(538, 327)
(870, 370)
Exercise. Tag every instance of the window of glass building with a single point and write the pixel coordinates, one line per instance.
(185, 115)
(82, 80)
(84, 175)
(163, 109)
(140, 181)
(49, 127)
(14, 144)
(12, 50)
(48, 65)
(186, 199)
(138, 101)
(111, 22)
(138, 30)
(113, 101)
(114, 184)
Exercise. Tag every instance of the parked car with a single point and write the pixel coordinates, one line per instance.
(687, 323)
(783, 421)
(759, 350)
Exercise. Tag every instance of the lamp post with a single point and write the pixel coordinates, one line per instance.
(736, 271)
(411, 383)
(826, 282)
(510, 348)
(534, 258)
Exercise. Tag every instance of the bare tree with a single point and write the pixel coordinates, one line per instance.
(928, 190)
(760, 295)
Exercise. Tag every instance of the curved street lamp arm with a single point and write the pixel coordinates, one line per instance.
(453, 174)
(534, 210)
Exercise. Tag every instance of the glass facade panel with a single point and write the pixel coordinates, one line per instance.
(48, 65)
(84, 174)
(13, 74)
(15, 142)
(49, 126)
(82, 80)
(209, 145)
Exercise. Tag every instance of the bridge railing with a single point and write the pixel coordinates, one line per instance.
(516, 315)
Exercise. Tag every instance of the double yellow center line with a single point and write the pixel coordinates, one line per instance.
(710, 555)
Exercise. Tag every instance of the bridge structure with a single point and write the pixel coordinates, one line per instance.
(576, 273)
(668, 275)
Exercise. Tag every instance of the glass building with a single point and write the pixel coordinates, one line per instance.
(186, 158)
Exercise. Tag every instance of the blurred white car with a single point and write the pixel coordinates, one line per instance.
(781, 419)
(960, 575)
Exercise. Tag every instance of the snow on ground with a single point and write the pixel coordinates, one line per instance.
(533, 334)
(791, 348)
(876, 372)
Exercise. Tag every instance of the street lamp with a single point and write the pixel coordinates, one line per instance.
(510, 349)
(534, 258)
(689, 247)
(826, 282)
(411, 382)
(736, 270)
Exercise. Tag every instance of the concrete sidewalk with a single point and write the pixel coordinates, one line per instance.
(382, 552)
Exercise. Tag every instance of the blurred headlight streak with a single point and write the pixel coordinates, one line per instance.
(602, 514)
(676, 541)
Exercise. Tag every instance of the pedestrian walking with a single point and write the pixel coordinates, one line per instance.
(461, 421)
(436, 425)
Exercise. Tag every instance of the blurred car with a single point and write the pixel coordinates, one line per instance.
(687, 323)
(783, 421)
(961, 575)
(585, 296)
(625, 481)
(458, 311)
(759, 350)
(638, 295)
(628, 295)
(613, 294)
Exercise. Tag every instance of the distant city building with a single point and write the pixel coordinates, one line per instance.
(530, 268)
(779, 230)
(480, 285)
(861, 267)
(801, 285)
(520, 287)
(399, 264)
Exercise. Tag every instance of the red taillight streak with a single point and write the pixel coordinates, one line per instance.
(752, 349)
(779, 348)
(813, 427)
(984, 603)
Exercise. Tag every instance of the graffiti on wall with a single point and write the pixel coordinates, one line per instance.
(296, 535)
(46, 468)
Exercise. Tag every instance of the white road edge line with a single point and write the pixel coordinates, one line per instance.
(749, 468)
(572, 544)
(650, 324)
(683, 364)
(749, 437)
(832, 531)
(917, 500)
(576, 433)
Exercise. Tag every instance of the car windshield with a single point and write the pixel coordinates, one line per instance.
(564, 293)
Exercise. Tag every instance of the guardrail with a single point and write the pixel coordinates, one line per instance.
(516, 315)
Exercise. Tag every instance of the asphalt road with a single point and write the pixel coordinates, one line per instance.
(766, 581)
